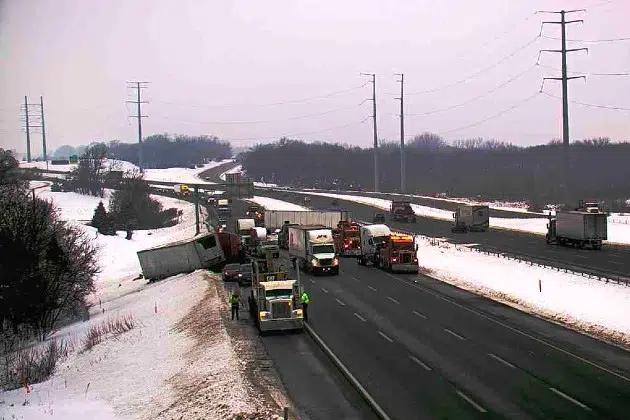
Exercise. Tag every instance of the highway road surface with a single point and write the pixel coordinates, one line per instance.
(611, 260)
(424, 349)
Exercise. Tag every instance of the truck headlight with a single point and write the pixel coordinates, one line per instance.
(314, 262)
(335, 261)
(298, 313)
(263, 314)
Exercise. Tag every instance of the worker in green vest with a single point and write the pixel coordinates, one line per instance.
(235, 301)
(305, 300)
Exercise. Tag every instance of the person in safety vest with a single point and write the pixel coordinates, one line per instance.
(305, 300)
(235, 301)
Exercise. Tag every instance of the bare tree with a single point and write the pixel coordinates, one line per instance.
(90, 176)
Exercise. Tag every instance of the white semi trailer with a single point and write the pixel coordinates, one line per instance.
(578, 228)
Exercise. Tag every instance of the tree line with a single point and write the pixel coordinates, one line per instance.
(488, 169)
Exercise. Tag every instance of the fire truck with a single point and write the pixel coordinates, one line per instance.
(347, 239)
(399, 253)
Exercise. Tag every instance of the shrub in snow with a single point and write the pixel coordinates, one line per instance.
(102, 221)
(28, 365)
(90, 175)
(113, 326)
(46, 266)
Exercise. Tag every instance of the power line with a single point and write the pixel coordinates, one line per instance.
(289, 102)
(494, 89)
(337, 127)
(497, 115)
(484, 69)
(374, 130)
(138, 86)
(270, 121)
(592, 41)
(616, 108)
(586, 73)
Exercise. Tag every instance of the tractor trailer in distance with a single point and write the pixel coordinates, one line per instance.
(578, 228)
(401, 211)
(471, 218)
(284, 219)
(312, 247)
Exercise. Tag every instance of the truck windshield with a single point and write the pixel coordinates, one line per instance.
(323, 249)
(268, 243)
(352, 233)
(403, 246)
(279, 294)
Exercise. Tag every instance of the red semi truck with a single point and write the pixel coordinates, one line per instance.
(398, 253)
(347, 239)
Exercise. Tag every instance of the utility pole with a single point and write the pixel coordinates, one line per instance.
(138, 86)
(28, 131)
(565, 97)
(376, 168)
(41, 104)
(403, 170)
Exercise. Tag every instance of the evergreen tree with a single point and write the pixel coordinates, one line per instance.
(99, 220)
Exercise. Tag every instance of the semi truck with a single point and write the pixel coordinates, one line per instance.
(578, 228)
(399, 254)
(181, 189)
(312, 248)
(257, 213)
(181, 257)
(244, 226)
(276, 219)
(372, 237)
(347, 239)
(471, 218)
(274, 303)
(401, 211)
(232, 247)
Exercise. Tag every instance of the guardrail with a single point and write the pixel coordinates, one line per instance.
(532, 260)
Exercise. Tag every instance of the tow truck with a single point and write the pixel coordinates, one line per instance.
(347, 239)
(398, 253)
(274, 303)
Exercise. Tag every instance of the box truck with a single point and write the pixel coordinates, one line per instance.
(578, 228)
(276, 219)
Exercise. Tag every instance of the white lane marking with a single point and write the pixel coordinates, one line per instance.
(340, 302)
(500, 360)
(509, 327)
(419, 314)
(312, 281)
(371, 288)
(385, 337)
(616, 262)
(324, 290)
(393, 300)
(470, 401)
(584, 257)
(354, 278)
(454, 334)
(420, 362)
(359, 316)
(573, 400)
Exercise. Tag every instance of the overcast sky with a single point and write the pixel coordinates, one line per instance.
(215, 67)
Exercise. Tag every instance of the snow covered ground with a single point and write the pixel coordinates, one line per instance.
(586, 304)
(273, 204)
(618, 233)
(120, 165)
(179, 360)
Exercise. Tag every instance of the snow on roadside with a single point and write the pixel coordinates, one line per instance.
(150, 371)
(183, 175)
(113, 163)
(273, 204)
(587, 304)
(617, 233)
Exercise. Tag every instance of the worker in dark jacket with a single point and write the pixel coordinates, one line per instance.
(305, 300)
(235, 302)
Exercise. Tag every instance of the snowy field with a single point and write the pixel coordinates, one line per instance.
(183, 175)
(178, 361)
(586, 304)
(618, 233)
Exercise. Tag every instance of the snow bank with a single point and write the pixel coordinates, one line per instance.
(273, 204)
(183, 175)
(587, 304)
(618, 233)
(120, 165)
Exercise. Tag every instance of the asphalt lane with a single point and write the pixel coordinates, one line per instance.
(613, 260)
(319, 391)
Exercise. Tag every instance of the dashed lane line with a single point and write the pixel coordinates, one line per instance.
(385, 337)
(573, 400)
(325, 290)
(371, 288)
(420, 362)
(340, 302)
(454, 334)
(419, 314)
(359, 316)
(470, 401)
(500, 360)
(393, 300)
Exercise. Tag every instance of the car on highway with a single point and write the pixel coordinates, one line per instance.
(245, 275)
(230, 272)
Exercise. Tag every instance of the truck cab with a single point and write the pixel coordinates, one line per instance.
(268, 245)
(373, 238)
(274, 301)
(312, 247)
(401, 211)
(347, 238)
(399, 254)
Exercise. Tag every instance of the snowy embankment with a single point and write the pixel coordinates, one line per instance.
(178, 361)
(618, 233)
(585, 304)
(589, 305)
(273, 204)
